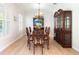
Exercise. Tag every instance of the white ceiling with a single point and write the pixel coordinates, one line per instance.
(29, 7)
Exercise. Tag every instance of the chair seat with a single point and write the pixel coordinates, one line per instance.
(38, 42)
(46, 38)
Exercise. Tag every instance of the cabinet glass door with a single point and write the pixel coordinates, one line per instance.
(60, 22)
(67, 23)
(56, 23)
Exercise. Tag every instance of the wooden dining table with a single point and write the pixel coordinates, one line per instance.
(38, 38)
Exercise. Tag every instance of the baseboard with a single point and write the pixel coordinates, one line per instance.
(20, 36)
(75, 49)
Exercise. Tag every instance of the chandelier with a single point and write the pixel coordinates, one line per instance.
(39, 13)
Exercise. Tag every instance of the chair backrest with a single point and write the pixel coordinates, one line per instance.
(27, 31)
(38, 38)
(47, 30)
(30, 29)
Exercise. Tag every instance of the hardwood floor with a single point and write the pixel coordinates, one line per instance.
(20, 48)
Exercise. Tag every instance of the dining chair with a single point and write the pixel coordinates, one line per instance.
(29, 38)
(46, 38)
(37, 41)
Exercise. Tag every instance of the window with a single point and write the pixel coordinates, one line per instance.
(4, 24)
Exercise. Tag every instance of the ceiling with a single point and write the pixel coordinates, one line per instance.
(30, 7)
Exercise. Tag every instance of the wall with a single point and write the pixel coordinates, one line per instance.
(75, 28)
(11, 10)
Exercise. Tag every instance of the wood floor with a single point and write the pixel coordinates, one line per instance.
(20, 48)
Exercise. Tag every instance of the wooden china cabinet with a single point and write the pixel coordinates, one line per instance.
(63, 28)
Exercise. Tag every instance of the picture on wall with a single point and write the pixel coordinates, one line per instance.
(38, 22)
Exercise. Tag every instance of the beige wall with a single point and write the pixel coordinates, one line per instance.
(10, 11)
